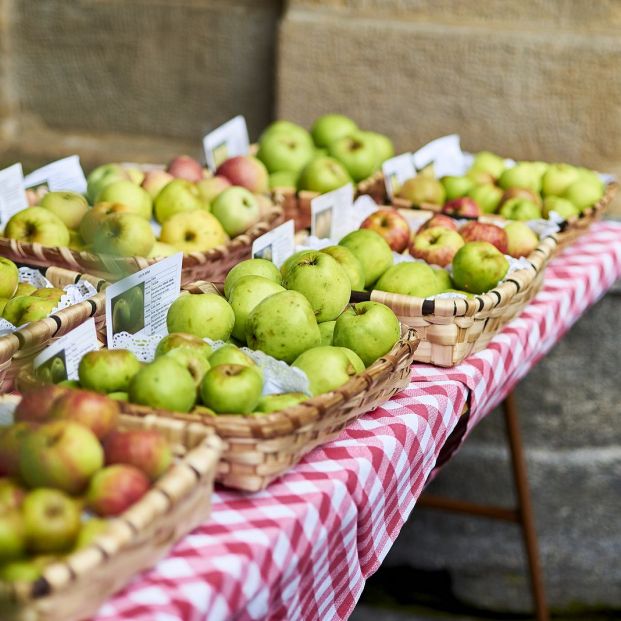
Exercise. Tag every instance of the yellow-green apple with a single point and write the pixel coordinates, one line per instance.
(23, 570)
(421, 190)
(145, 449)
(456, 187)
(438, 219)
(90, 531)
(521, 193)
(350, 264)
(247, 292)
(245, 171)
(12, 536)
(27, 308)
(584, 192)
(486, 196)
(203, 315)
(480, 177)
(237, 209)
(372, 250)
(280, 401)
(155, 181)
(91, 409)
(102, 176)
(135, 175)
(286, 127)
(231, 388)
(326, 329)
(92, 220)
(24, 288)
(210, 188)
(161, 249)
(3, 303)
(522, 175)
(564, 208)
(284, 268)
(70, 207)
(35, 405)
(384, 149)
(323, 174)
(11, 439)
(49, 293)
(436, 245)
(178, 340)
(125, 235)
(38, 226)
(251, 267)
(327, 367)
(521, 239)
(51, 521)
(464, 207)
(482, 231)
(185, 167)
(107, 370)
(283, 179)
(520, 209)
(9, 278)
(392, 226)
(193, 231)
(115, 489)
(61, 454)
(119, 395)
(322, 281)
(357, 153)
(11, 495)
(488, 162)
(283, 326)
(231, 354)
(479, 267)
(557, 179)
(192, 360)
(369, 329)
(286, 150)
(330, 127)
(443, 278)
(136, 198)
(410, 278)
(178, 196)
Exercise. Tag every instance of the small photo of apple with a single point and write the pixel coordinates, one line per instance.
(54, 370)
(220, 153)
(266, 253)
(322, 223)
(128, 310)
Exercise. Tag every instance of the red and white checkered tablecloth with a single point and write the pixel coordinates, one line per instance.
(303, 548)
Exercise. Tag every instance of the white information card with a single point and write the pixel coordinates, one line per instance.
(228, 140)
(65, 174)
(12, 193)
(276, 245)
(445, 154)
(396, 171)
(331, 213)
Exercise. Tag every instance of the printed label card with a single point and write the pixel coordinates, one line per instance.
(228, 140)
(276, 245)
(331, 213)
(12, 193)
(396, 171)
(445, 154)
(65, 174)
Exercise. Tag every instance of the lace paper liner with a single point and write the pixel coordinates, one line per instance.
(74, 293)
(278, 375)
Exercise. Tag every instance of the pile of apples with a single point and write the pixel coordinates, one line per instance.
(64, 468)
(21, 302)
(194, 210)
(525, 191)
(335, 152)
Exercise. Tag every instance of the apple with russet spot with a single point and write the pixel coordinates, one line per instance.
(391, 225)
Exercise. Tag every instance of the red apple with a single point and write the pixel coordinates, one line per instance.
(93, 410)
(464, 207)
(146, 449)
(35, 405)
(481, 231)
(392, 226)
(185, 167)
(116, 488)
(439, 219)
(10, 442)
(247, 171)
(155, 180)
(436, 245)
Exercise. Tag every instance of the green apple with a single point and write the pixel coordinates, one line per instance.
(421, 190)
(356, 152)
(416, 279)
(326, 329)
(108, 370)
(486, 196)
(479, 267)
(522, 175)
(286, 151)
(322, 281)
(350, 264)
(326, 367)
(489, 163)
(384, 149)
(291, 260)
(21, 570)
(285, 127)
(27, 308)
(283, 179)
(456, 187)
(585, 192)
(557, 179)
(135, 175)
(125, 235)
(178, 196)
(231, 354)
(36, 225)
(520, 209)
(323, 174)
(564, 208)
(436, 245)
(130, 194)
(164, 384)
(369, 329)
(9, 278)
(372, 250)
(330, 127)
(155, 181)
(70, 207)
(161, 249)
(192, 360)
(12, 536)
(92, 219)
(203, 315)
(231, 388)
(119, 395)
(443, 277)
(480, 177)
(281, 401)
(102, 176)
(182, 340)
(90, 532)
(283, 326)
(61, 454)
(251, 267)
(247, 292)
(211, 187)
(521, 239)
(237, 209)
(193, 231)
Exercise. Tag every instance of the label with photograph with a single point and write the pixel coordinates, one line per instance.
(60, 360)
(139, 303)
(226, 141)
(445, 154)
(276, 245)
(65, 174)
(331, 213)
(397, 170)
(12, 193)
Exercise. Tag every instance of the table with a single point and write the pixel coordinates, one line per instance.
(303, 548)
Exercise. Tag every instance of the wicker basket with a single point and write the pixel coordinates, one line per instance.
(17, 350)
(452, 329)
(76, 586)
(212, 264)
(260, 448)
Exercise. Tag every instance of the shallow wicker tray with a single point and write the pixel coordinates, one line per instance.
(75, 587)
(260, 448)
(17, 350)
